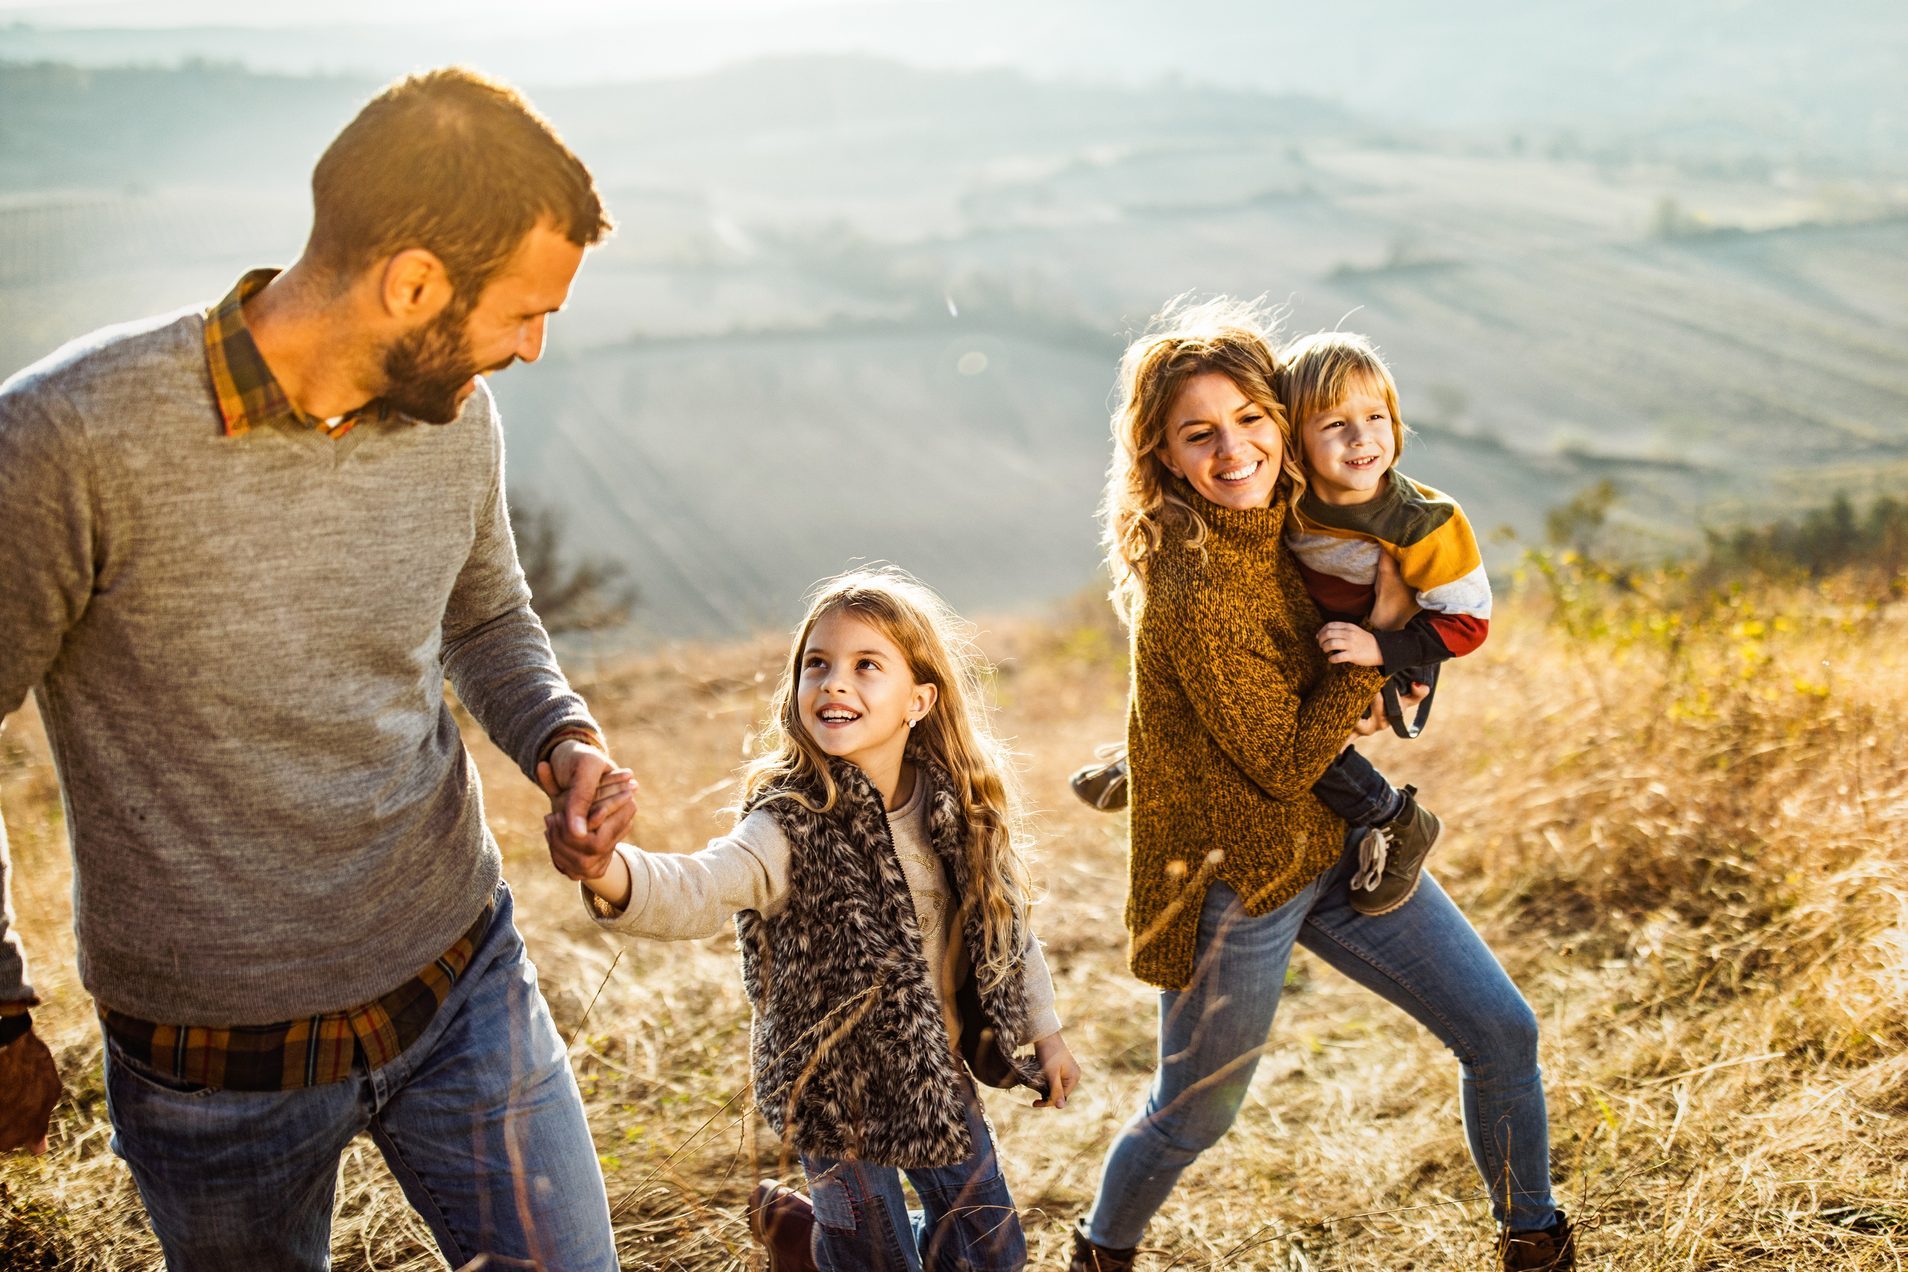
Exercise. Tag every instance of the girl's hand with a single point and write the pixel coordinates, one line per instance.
(1349, 643)
(1062, 1070)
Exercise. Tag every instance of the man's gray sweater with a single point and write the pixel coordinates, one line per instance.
(239, 645)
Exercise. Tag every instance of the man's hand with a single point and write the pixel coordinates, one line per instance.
(1349, 643)
(1062, 1070)
(29, 1088)
(594, 802)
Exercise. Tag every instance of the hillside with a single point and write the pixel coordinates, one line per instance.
(926, 276)
(1679, 824)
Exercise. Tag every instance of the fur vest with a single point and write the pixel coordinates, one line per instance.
(849, 1045)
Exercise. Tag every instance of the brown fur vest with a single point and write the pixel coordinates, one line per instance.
(849, 1045)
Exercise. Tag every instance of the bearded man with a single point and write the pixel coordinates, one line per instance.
(245, 546)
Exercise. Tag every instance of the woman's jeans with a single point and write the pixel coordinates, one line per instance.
(967, 1222)
(1424, 957)
(479, 1119)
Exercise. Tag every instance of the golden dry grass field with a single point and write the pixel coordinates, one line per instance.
(1682, 830)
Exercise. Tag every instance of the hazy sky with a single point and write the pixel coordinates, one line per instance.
(492, 13)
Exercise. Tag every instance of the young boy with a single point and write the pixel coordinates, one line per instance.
(1356, 507)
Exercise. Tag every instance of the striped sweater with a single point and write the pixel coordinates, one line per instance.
(1428, 535)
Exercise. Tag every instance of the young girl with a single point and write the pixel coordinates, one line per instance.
(881, 907)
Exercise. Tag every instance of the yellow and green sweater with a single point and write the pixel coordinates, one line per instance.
(1233, 714)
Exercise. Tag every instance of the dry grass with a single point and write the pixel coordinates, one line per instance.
(1695, 874)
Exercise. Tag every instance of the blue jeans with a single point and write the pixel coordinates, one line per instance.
(967, 1222)
(479, 1120)
(1424, 957)
(1354, 790)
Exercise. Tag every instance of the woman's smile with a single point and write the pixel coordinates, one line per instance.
(1225, 445)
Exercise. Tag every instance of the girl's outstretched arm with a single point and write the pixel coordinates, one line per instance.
(678, 897)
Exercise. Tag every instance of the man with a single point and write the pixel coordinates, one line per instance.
(243, 550)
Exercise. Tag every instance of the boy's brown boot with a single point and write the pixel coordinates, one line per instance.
(1088, 1257)
(1102, 784)
(1391, 857)
(783, 1221)
(1552, 1249)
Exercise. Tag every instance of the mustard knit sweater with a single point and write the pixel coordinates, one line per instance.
(1233, 714)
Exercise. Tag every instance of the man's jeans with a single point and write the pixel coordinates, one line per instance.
(479, 1120)
(1424, 957)
(967, 1222)
(1354, 790)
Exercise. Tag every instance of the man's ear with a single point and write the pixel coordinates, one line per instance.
(415, 286)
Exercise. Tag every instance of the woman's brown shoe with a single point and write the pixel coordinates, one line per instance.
(783, 1221)
(1552, 1249)
(1088, 1257)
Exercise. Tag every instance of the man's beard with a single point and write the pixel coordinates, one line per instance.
(426, 369)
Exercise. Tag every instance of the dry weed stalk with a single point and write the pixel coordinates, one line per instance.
(1685, 841)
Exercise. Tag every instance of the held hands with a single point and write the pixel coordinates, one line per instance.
(31, 1083)
(1062, 1070)
(592, 802)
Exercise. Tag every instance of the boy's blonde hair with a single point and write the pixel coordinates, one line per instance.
(955, 734)
(1319, 371)
(1186, 339)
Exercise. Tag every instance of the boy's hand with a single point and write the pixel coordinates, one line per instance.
(1062, 1070)
(1349, 643)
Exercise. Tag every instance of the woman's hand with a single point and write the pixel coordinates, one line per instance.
(1062, 1070)
(1395, 603)
(1374, 721)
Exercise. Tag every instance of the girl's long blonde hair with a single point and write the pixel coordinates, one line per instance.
(955, 734)
(1186, 339)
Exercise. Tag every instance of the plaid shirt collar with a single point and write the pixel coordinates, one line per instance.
(249, 395)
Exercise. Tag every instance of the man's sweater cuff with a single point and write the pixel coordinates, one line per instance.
(568, 733)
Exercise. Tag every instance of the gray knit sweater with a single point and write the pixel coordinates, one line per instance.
(239, 646)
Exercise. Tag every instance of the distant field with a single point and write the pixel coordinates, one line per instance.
(813, 254)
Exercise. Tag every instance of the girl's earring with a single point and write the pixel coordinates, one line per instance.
(912, 723)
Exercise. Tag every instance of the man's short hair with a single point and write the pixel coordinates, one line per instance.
(455, 163)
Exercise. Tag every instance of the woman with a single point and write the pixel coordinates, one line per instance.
(1234, 714)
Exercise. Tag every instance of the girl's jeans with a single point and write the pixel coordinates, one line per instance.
(479, 1120)
(1424, 957)
(967, 1221)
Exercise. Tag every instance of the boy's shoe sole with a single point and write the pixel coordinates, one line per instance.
(1396, 858)
(1103, 784)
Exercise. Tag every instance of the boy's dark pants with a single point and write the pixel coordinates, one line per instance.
(1355, 790)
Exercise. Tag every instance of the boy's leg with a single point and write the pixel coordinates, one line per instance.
(234, 1179)
(968, 1222)
(1356, 791)
(481, 1122)
(861, 1217)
